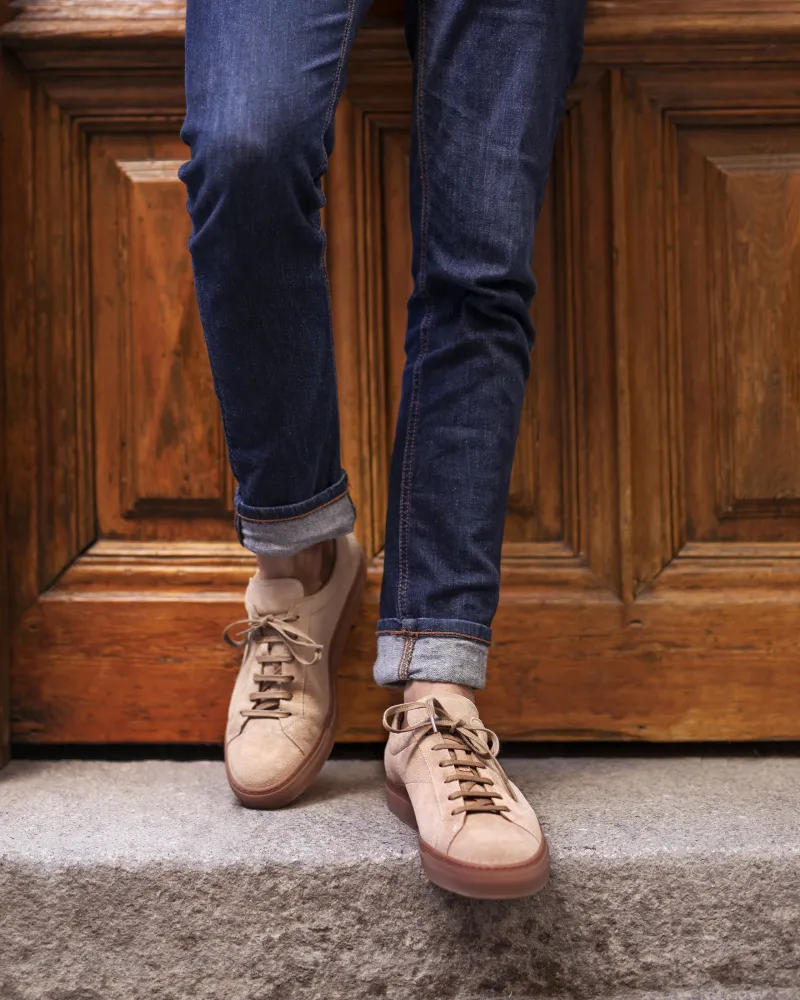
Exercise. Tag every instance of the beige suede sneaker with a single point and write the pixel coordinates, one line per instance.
(282, 716)
(477, 834)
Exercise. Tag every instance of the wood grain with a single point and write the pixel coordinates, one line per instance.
(160, 458)
(5, 593)
(135, 635)
(745, 184)
(8, 96)
(379, 141)
(651, 577)
(613, 26)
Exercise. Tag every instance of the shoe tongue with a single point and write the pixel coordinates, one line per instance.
(459, 707)
(268, 597)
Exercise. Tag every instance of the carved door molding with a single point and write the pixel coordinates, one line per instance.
(651, 573)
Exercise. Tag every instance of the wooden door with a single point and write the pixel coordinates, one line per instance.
(651, 575)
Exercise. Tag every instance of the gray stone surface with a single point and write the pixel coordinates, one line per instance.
(673, 879)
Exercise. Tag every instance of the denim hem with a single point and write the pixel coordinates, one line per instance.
(290, 511)
(445, 660)
(450, 628)
(287, 530)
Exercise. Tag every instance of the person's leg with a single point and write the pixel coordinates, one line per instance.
(491, 80)
(262, 81)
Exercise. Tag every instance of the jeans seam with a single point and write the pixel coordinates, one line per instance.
(294, 517)
(442, 635)
(348, 28)
(405, 659)
(404, 518)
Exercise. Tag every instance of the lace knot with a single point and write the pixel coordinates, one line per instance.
(257, 627)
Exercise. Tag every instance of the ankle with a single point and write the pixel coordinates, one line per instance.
(417, 690)
(312, 566)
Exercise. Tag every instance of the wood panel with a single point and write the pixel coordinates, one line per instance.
(596, 669)
(15, 312)
(7, 91)
(722, 176)
(739, 224)
(160, 459)
(538, 507)
(5, 593)
(651, 573)
(5, 647)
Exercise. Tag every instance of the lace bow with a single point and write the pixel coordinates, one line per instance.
(255, 628)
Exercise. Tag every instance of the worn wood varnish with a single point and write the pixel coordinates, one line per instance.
(651, 575)
(9, 97)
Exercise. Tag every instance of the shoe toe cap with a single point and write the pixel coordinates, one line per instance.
(493, 840)
(259, 763)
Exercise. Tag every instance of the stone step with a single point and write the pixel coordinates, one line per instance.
(673, 879)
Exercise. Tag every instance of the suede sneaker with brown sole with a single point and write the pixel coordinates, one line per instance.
(282, 716)
(477, 834)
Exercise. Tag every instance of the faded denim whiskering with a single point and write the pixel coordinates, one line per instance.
(263, 79)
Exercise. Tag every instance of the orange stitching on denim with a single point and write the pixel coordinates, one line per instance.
(329, 115)
(404, 515)
(445, 635)
(348, 30)
(405, 659)
(294, 517)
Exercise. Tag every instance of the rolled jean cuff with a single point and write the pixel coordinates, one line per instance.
(431, 649)
(287, 530)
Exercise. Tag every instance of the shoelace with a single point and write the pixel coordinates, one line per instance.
(289, 642)
(459, 736)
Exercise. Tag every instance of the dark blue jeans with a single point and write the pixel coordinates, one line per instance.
(263, 79)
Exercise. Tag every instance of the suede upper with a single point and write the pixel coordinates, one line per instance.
(264, 752)
(512, 836)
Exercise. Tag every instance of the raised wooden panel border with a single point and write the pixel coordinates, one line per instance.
(177, 443)
(9, 301)
(738, 211)
(5, 594)
(116, 620)
(159, 448)
(586, 406)
(543, 502)
(5, 629)
(616, 30)
(654, 108)
(663, 112)
(123, 613)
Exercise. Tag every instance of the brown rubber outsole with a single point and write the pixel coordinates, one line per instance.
(475, 881)
(286, 792)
